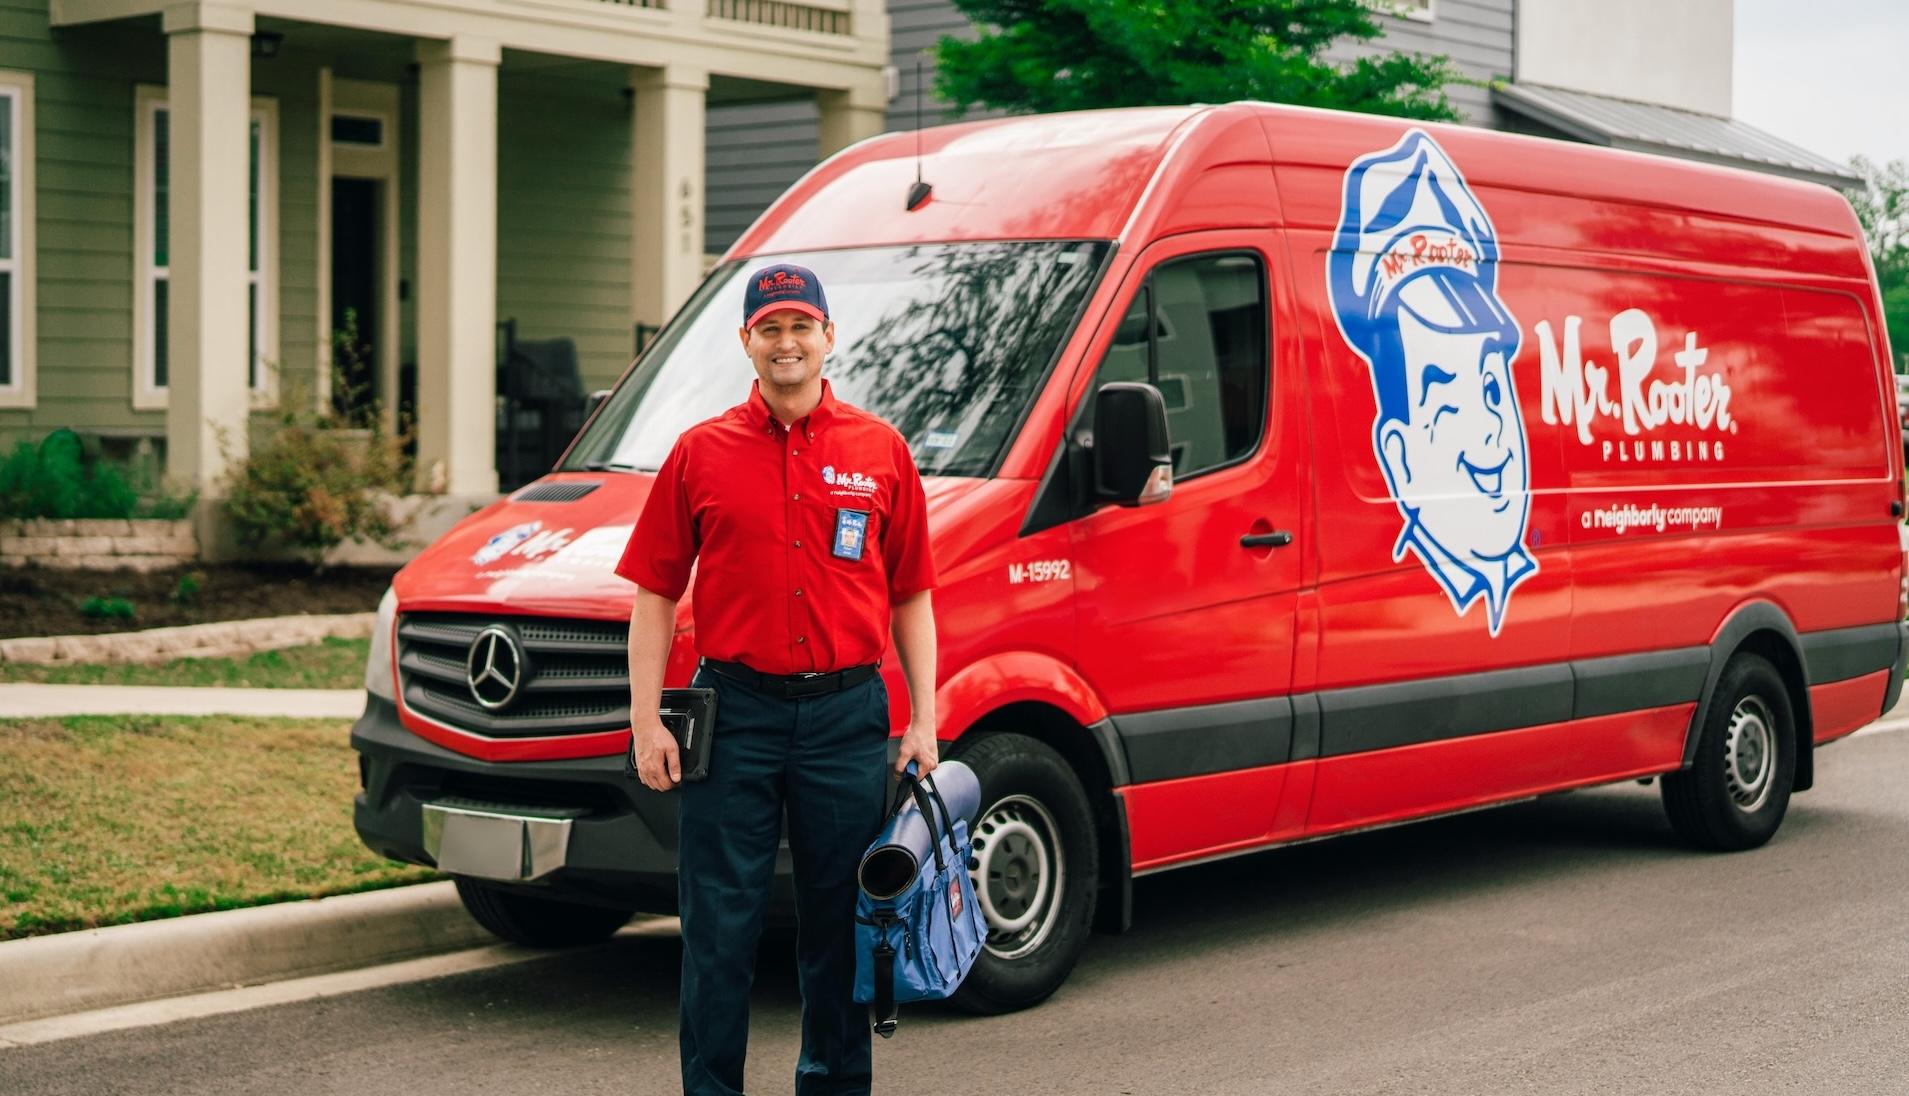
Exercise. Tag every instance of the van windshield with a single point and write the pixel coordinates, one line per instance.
(946, 341)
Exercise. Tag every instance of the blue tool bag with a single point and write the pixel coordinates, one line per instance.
(918, 928)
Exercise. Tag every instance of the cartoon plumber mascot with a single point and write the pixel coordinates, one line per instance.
(1413, 277)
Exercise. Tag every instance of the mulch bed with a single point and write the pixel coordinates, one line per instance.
(41, 602)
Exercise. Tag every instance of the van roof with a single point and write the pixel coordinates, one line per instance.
(1088, 175)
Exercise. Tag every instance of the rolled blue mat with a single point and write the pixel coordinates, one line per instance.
(908, 842)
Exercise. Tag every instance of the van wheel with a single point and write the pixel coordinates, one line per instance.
(1035, 869)
(539, 922)
(1735, 792)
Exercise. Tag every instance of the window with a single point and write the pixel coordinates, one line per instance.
(1197, 332)
(16, 240)
(153, 238)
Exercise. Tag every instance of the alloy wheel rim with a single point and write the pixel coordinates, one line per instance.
(1019, 870)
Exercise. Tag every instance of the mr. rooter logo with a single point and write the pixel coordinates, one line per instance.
(1577, 391)
(781, 282)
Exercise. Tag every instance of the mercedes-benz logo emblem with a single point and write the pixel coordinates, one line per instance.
(496, 667)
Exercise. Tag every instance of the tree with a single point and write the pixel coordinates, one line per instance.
(1036, 56)
(1882, 205)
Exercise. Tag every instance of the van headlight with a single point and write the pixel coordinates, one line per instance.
(379, 680)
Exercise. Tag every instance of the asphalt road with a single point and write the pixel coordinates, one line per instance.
(1562, 946)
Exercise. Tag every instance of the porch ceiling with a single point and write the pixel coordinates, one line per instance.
(763, 49)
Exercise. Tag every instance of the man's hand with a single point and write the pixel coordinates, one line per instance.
(658, 764)
(918, 745)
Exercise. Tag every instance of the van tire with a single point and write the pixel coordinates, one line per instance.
(535, 921)
(1734, 793)
(1035, 836)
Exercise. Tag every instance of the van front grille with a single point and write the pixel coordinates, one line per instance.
(574, 678)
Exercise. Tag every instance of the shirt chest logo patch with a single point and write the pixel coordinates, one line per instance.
(851, 534)
(849, 483)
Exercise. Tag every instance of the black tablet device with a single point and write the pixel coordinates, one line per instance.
(690, 715)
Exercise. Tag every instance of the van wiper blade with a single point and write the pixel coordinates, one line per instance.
(610, 466)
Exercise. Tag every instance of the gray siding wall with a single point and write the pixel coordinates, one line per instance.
(1475, 34)
(757, 150)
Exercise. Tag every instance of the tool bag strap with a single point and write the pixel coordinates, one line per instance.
(927, 799)
(887, 1013)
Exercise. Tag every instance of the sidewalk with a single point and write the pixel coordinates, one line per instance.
(40, 701)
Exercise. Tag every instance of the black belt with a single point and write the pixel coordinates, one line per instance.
(793, 686)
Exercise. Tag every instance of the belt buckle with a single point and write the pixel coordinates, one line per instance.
(799, 687)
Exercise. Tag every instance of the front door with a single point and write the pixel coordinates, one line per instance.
(355, 297)
(1186, 607)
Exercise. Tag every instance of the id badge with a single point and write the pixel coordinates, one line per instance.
(851, 533)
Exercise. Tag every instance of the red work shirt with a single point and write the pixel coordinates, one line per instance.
(803, 536)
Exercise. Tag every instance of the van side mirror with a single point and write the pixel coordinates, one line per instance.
(595, 401)
(1133, 464)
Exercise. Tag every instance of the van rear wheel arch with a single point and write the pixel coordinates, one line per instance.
(1761, 629)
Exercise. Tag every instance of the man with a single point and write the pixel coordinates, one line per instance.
(807, 522)
(1414, 281)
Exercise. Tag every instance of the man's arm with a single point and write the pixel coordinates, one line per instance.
(913, 625)
(652, 623)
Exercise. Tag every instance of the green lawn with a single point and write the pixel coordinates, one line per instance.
(105, 820)
(332, 664)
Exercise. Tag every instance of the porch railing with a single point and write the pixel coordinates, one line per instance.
(820, 16)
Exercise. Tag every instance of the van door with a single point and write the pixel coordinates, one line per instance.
(1186, 607)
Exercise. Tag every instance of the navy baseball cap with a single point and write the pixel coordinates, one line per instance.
(783, 285)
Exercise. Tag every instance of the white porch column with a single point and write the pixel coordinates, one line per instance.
(851, 115)
(666, 189)
(209, 105)
(457, 265)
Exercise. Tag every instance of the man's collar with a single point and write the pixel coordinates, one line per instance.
(761, 418)
(1466, 582)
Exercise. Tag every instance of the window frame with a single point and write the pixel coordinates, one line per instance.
(19, 391)
(1261, 265)
(262, 283)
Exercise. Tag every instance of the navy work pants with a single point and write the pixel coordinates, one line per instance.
(824, 758)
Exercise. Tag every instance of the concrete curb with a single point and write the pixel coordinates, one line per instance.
(219, 639)
(100, 968)
(29, 700)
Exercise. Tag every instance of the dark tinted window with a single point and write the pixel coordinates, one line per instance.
(946, 341)
(1197, 332)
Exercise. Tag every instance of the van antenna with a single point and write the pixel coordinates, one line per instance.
(918, 193)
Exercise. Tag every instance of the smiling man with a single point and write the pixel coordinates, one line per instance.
(808, 523)
(1413, 276)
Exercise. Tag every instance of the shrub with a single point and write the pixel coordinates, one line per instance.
(54, 479)
(186, 590)
(106, 608)
(312, 489)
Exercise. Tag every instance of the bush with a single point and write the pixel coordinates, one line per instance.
(54, 479)
(311, 489)
(186, 590)
(106, 608)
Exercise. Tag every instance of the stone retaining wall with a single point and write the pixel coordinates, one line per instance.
(99, 545)
(223, 639)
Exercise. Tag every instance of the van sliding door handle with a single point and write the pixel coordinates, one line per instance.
(1278, 539)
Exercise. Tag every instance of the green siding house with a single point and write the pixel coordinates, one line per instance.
(193, 194)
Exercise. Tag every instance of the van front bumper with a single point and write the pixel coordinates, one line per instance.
(620, 847)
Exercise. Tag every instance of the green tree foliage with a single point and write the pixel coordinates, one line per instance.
(1035, 56)
(1882, 205)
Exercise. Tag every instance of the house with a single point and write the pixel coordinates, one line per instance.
(194, 193)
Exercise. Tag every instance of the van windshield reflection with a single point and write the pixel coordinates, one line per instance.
(946, 341)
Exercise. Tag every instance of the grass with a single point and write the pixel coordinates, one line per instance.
(332, 664)
(105, 820)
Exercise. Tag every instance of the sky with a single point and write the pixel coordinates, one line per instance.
(1826, 74)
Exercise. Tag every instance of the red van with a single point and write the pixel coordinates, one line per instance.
(1291, 473)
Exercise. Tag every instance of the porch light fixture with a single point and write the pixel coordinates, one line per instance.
(265, 44)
